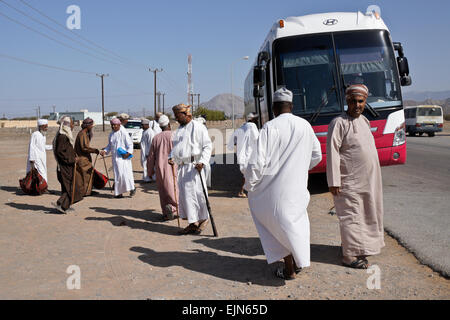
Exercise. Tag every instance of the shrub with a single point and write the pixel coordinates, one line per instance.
(210, 115)
(447, 117)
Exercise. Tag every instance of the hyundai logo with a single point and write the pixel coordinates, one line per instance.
(330, 22)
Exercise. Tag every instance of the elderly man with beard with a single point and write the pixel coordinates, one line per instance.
(37, 157)
(83, 151)
(66, 158)
(354, 179)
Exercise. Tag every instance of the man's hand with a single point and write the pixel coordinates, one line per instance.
(125, 156)
(97, 151)
(335, 190)
(199, 166)
(102, 153)
(32, 165)
(171, 162)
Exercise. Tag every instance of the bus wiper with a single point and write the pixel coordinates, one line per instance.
(372, 111)
(323, 104)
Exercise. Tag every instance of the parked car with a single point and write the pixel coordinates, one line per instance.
(134, 129)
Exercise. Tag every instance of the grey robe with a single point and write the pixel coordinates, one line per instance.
(353, 165)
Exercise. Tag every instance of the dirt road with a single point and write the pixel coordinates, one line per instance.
(124, 250)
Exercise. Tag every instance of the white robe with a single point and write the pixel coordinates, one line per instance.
(146, 143)
(191, 140)
(245, 139)
(37, 153)
(277, 179)
(123, 169)
(154, 125)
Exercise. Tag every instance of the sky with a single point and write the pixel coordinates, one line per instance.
(143, 34)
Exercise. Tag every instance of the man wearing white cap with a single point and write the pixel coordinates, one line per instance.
(158, 165)
(37, 157)
(146, 143)
(245, 139)
(276, 179)
(354, 179)
(154, 124)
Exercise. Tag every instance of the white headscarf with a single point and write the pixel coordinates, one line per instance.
(64, 129)
(41, 122)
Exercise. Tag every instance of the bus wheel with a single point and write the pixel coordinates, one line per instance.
(420, 133)
(431, 134)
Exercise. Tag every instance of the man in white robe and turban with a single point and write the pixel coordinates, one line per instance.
(354, 179)
(276, 179)
(154, 124)
(245, 139)
(191, 151)
(37, 157)
(123, 169)
(146, 143)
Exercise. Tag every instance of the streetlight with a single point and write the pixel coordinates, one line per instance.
(232, 97)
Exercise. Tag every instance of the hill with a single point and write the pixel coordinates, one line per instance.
(445, 104)
(222, 102)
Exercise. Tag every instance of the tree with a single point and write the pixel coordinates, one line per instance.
(111, 114)
(210, 115)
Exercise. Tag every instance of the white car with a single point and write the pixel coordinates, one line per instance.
(134, 129)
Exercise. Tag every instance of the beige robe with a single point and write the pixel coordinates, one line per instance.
(353, 165)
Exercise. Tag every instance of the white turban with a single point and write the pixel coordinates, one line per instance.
(201, 120)
(145, 121)
(282, 95)
(42, 122)
(163, 121)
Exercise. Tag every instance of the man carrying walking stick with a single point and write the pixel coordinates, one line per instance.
(191, 151)
(68, 176)
(165, 173)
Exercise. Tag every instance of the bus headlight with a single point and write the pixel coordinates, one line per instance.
(399, 136)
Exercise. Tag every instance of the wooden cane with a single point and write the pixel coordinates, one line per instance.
(92, 174)
(175, 190)
(73, 184)
(107, 175)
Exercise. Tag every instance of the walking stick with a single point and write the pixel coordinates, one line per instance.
(92, 174)
(107, 175)
(209, 207)
(175, 190)
(73, 184)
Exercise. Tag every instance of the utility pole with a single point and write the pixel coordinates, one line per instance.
(54, 108)
(163, 94)
(103, 99)
(159, 101)
(198, 100)
(39, 112)
(154, 72)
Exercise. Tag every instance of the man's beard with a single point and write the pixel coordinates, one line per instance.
(44, 133)
(90, 134)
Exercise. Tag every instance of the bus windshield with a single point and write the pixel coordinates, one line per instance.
(367, 57)
(306, 65)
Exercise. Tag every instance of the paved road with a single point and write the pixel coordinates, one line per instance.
(416, 199)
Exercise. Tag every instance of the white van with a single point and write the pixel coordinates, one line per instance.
(134, 129)
(424, 119)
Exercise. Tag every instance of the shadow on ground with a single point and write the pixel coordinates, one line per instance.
(18, 191)
(31, 207)
(148, 215)
(252, 247)
(238, 269)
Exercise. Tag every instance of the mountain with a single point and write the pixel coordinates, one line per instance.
(425, 95)
(222, 102)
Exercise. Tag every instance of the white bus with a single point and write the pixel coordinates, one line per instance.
(427, 119)
(316, 56)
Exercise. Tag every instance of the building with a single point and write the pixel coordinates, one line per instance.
(78, 116)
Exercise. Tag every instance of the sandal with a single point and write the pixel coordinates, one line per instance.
(280, 274)
(242, 195)
(201, 227)
(357, 264)
(190, 229)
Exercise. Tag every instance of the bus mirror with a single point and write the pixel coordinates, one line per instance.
(403, 67)
(405, 81)
(259, 76)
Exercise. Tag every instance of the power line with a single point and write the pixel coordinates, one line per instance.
(53, 39)
(76, 34)
(43, 65)
(53, 29)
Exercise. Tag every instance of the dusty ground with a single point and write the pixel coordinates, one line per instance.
(124, 251)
